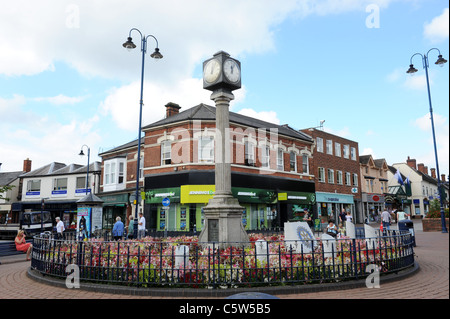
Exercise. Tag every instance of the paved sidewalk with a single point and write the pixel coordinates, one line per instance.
(430, 282)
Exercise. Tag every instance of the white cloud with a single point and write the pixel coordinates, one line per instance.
(268, 116)
(60, 99)
(368, 151)
(437, 30)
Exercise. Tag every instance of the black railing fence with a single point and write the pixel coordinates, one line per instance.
(184, 262)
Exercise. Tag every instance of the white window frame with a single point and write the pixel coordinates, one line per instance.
(166, 155)
(249, 153)
(355, 179)
(330, 175)
(321, 175)
(339, 180)
(329, 147)
(32, 184)
(337, 149)
(206, 149)
(265, 156)
(58, 183)
(348, 180)
(290, 161)
(305, 164)
(353, 153)
(319, 142)
(280, 159)
(346, 151)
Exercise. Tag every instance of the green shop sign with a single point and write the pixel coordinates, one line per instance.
(254, 195)
(155, 196)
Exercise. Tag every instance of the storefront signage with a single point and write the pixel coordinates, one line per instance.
(334, 198)
(297, 197)
(196, 193)
(155, 196)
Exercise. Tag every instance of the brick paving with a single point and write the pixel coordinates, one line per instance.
(430, 282)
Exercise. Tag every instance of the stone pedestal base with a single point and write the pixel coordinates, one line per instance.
(223, 222)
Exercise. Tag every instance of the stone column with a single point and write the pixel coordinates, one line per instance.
(223, 214)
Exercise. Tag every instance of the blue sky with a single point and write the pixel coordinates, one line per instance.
(66, 80)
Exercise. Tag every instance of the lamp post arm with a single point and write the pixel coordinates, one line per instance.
(410, 60)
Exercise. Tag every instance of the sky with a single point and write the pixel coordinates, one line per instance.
(66, 81)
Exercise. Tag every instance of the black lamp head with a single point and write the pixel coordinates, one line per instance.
(129, 44)
(440, 61)
(411, 69)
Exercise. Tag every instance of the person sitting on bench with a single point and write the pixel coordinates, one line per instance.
(22, 245)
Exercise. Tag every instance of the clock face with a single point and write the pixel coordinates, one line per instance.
(212, 71)
(231, 70)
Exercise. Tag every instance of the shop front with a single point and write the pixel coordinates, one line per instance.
(114, 205)
(329, 205)
(178, 204)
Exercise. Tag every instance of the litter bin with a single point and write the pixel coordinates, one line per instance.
(408, 225)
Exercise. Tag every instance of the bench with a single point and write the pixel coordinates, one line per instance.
(8, 248)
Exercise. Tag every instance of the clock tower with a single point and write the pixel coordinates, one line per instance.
(223, 214)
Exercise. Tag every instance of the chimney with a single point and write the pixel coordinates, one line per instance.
(411, 163)
(172, 109)
(425, 170)
(443, 178)
(27, 165)
(420, 168)
(433, 172)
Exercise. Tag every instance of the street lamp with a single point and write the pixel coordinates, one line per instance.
(440, 61)
(129, 45)
(87, 174)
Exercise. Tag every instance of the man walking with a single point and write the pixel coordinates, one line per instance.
(141, 226)
(59, 228)
(385, 219)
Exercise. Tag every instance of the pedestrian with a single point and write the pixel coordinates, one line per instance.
(118, 229)
(401, 215)
(59, 228)
(332, 230)
(22, 245)
(386, 219)
(130, 227)
(342, 216)
(349, 217)
(307, 218)
(141, 226)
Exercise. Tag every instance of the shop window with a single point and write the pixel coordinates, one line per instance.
(34, 185)
(60, 184)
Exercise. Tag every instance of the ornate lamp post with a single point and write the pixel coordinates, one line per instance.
(155, 55)
(440, 61)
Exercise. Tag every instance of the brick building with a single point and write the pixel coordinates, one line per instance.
(270, 170)
(336, 173)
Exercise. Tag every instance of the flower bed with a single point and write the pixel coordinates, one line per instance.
(184, 262)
